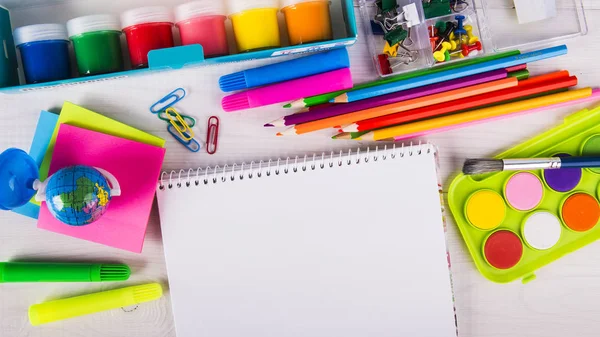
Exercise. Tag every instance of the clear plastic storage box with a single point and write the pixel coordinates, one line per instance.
(426, 33)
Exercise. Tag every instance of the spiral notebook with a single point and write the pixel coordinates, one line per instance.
(339, 244)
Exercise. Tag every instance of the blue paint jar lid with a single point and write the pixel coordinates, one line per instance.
(43, 32)
(18, 172)
(93, 23)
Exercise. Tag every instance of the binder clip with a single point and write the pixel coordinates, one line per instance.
(212, 135)
(168, 101)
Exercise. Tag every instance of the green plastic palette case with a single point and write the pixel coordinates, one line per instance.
(514, 223)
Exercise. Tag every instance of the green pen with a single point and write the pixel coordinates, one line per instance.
(62, 272)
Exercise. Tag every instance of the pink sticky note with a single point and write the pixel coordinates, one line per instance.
(137, 168)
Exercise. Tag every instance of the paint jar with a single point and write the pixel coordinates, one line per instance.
(255, 24)
(97, 44)
(203, 22)
(146, 29)
(44, 52)
(307, 20)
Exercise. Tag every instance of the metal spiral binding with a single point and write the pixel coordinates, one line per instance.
(208, 175)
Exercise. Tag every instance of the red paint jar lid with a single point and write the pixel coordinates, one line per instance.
(503, 249)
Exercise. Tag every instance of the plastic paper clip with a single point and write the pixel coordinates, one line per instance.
(191, 121)
(184, 130)
(212, 135)
(191, 144)
(168, 101)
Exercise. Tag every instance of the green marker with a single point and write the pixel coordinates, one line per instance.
(325, 98)
(62, 272)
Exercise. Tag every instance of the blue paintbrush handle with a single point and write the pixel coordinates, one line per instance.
(579, 162)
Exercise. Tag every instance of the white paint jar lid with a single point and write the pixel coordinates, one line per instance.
(237, 6)
(286, 3)
(43, 32)
(93, 23)
(138, 16)
(190, 10)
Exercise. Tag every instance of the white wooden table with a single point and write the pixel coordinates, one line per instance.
(563, 301)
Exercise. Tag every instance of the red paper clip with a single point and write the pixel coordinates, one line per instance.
(212, 135)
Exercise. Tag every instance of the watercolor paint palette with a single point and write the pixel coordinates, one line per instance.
(513, 223)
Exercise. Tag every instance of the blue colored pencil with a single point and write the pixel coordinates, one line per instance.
(384, 89)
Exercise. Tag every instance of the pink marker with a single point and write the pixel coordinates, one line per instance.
(340, 79)
(595, 96)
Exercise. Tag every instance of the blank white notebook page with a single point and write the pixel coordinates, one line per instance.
(354, 250)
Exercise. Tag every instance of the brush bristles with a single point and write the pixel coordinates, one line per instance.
(480, 166)
(233, 82)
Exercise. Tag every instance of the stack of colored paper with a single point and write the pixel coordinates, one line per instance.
(81, 137)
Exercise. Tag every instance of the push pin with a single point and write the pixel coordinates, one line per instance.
(471, 39)
(443, 54)
(475, 48)
(460, 29)
(450, 27)
(433, 38)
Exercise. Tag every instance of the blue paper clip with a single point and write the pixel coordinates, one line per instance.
(168, 101)
(191, 144)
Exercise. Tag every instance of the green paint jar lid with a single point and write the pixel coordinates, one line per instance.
(93, 23)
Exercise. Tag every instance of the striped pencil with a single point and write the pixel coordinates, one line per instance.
(340, 109)
(383, 89)
(401, 106)
(475, 115)
(531, 87)
(325, 98)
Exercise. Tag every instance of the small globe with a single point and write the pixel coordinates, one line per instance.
(77, 195)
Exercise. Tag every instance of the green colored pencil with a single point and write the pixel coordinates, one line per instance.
(349, 135)
(325, 98)
(520, 74)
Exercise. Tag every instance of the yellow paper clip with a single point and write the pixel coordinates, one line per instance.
(180, 125)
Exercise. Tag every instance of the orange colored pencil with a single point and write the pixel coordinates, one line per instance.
(401, 106)
(534, 86)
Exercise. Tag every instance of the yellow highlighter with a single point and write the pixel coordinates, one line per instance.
(88, 304)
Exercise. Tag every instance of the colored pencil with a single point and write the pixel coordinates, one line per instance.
(348, 135)
(533, 86)
(520, 75)
(401, 106)
(474, 115)
(517, 67)
(325, 98)
(594, 97)
(383, 89)
(340, 109)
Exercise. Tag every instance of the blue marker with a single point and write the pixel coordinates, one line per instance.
(286, 71)
(448, 75)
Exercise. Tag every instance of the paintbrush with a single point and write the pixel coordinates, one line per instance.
(480, 166)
